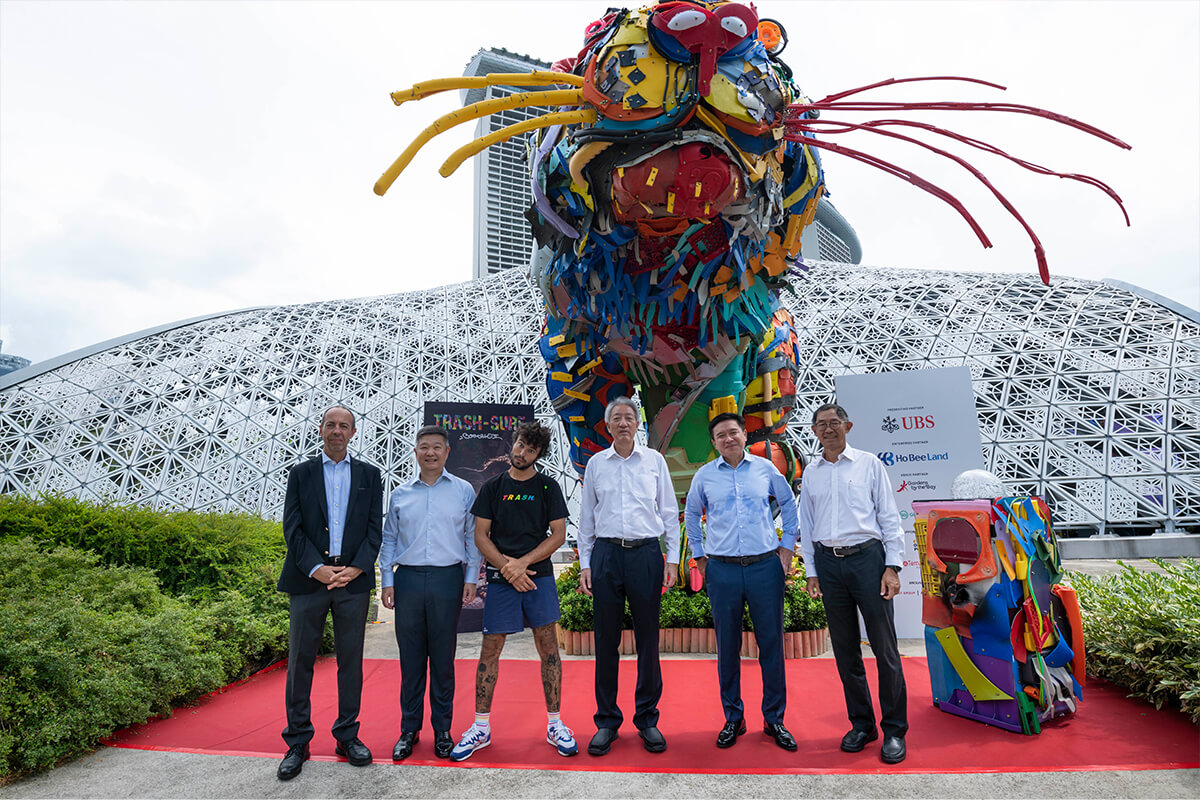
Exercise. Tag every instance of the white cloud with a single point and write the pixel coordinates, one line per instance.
(166, 160)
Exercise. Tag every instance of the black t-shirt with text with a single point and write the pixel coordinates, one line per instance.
(520, 512)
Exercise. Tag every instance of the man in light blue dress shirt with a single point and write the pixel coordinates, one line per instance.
(744, 562)
(429, 567)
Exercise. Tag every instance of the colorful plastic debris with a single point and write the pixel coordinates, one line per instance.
(1003, 634)
(671, 192)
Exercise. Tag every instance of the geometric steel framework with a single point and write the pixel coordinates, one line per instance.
(1087, 393)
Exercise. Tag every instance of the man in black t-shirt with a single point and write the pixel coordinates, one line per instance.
(520, 520)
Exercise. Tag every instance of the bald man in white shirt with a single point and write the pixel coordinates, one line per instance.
(852, 544)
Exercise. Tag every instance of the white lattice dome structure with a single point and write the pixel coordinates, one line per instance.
(1087, 393)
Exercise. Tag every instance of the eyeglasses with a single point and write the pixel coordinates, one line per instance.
(828, 423)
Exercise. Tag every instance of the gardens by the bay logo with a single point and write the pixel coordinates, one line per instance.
(890, 425)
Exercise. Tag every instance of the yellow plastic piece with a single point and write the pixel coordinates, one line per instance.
(419, 91)
(976, 682)
(580, 159)
(653, 174)
(670, 202)
(584, 396)
(791, 239)
(568, 350)
(810, 180)
(929, 578)
(589, 366)
(504, 134)
(555, 341)
(558, 97)
(722, 405)
(1005, 564)
(561, 377)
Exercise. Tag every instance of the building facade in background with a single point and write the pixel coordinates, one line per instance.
(1087, 393)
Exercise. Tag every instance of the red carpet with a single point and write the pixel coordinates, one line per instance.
(1110, 732)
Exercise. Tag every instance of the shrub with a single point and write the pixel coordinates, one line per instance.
(190, 552)
(673, 610)
(1142, 631)
(86, 649)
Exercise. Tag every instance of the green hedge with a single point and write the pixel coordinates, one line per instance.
(683, 609)
(190, 552)
(109, 615)
(86, 649)
(1142, 631)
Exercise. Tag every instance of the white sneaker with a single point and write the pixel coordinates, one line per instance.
(473, 738)
(562, 738)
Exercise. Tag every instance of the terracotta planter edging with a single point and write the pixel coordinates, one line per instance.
(796, 644)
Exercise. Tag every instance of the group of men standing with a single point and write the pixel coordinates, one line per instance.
(434, 532)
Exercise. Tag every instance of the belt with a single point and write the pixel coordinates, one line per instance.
(744, 561)
(335, 561)
(841, 552)
(628, 543)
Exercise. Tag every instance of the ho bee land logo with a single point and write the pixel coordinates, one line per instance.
(890, 425)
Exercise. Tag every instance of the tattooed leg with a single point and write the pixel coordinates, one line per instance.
(487, 671)
(547, 647)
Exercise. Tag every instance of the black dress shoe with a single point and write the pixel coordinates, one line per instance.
(652, 739)
(780, 734)
(728, 735)
(856, 740)
(442, 744)
(404, 745)
(603, 740)
(893, 750)
(293, 762)
(355, 752)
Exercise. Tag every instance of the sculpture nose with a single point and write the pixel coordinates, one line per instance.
(706, 35)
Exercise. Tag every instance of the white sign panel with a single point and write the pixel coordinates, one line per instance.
(922, 426)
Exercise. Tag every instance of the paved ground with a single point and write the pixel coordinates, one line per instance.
(120, 773)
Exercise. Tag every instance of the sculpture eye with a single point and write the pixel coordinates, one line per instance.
(686, 20)
(735, 26)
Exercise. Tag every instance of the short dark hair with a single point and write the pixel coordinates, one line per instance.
(841, 412)
(535, 434)
(353, 421)
(725, 417)
(433, 430)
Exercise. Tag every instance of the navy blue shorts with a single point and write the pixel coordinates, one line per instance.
(508, 611)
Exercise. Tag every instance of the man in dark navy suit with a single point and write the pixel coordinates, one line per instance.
(333, 524)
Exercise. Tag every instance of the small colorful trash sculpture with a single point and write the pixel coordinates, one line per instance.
(1003, 634)
(671, 189)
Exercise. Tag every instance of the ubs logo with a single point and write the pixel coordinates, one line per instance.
(916, 423)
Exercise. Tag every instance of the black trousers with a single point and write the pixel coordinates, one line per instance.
(428, 602)
(851, 585)
(620, 573)
(306, 625)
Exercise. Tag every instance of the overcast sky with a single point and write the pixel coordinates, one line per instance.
(160, 161)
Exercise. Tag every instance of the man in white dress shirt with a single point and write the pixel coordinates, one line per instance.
(628, 503)
(852, 546)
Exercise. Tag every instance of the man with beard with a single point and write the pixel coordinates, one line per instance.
(520, 520)
(852, 545)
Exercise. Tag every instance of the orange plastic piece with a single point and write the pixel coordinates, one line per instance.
(985, 566)
(1071, 606)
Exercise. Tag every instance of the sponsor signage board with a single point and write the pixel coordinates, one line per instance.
(923, 427)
